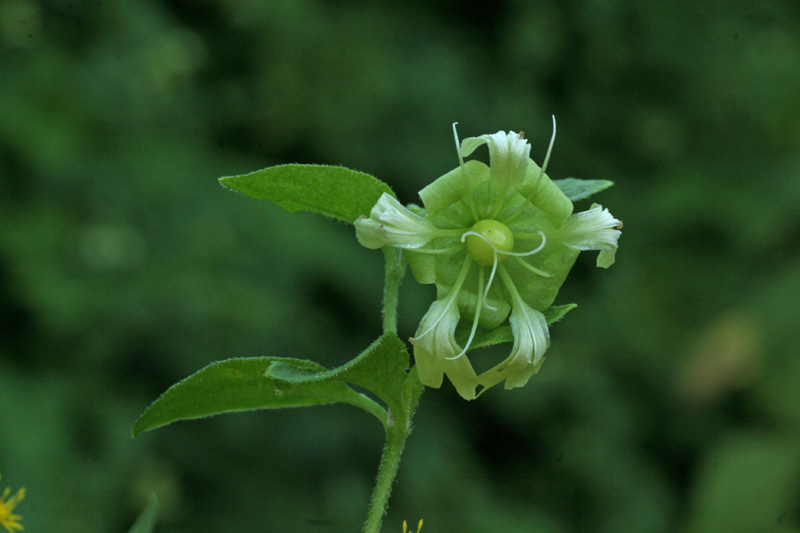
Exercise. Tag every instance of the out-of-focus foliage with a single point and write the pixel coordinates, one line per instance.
(669, 400)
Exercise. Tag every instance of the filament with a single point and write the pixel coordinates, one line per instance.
(478, 306)
(450, 298)
(467, 191)
(494, 264)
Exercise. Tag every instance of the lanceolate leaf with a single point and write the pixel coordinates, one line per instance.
(381, 369)
(332, 191)
(241, 385)
(576, 189)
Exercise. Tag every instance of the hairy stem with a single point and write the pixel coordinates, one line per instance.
(398, 427)
(397, 432)
(395, 269)
(390, 461)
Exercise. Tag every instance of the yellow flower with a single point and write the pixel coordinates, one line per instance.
(405, 527)
(9, 520)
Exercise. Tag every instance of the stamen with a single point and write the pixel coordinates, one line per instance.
(467, 192)
(538, 179)
(478, 306)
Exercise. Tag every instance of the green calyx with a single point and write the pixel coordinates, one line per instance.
(487, 240)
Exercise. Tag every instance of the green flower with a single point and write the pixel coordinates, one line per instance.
(480, 223)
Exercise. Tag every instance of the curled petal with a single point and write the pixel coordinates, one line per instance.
(508, 157)
(392, 224)
(595, 229)
(462, 376)
(435, 343)
(531, 340)
(531, 336)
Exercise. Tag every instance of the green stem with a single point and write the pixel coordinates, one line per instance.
(390, 461)
(396, 434)
(395, 269)
(398, 426)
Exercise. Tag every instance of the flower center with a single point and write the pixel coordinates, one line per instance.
(496, 236)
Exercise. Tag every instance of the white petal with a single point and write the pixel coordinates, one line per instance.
(531, 335)
(595, 229)
(508, 157)
(462, 376)
(392, 224)
(436, 343)
(531, 340)
(429, 345)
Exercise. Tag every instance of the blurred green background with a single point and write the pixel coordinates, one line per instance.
(670, 400)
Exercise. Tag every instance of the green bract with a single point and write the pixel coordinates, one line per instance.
(498, 242)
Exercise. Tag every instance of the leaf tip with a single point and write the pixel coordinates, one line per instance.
(138, 427)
